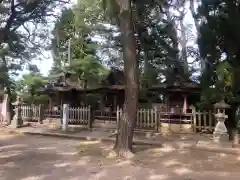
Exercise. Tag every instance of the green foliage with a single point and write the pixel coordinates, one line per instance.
(29, 87)
(74, 26)
(22, 36)
(219, 46)
(156, 37)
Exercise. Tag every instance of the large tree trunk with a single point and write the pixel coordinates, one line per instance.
(123, 145)
(183, 43)
(197, 25)
(172, 32)
(194, 15)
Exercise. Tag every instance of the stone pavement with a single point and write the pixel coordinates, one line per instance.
(24, 157)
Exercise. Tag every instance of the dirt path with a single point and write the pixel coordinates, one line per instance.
(45, 158)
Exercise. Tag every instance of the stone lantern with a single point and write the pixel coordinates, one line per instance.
(17, 118)
(220, 132)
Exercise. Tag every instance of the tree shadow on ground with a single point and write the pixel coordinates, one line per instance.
(46, 158)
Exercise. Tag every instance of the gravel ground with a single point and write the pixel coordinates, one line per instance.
(46, 158)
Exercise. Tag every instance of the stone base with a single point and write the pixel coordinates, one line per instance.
(16, 126)
(64, 127)
(175, 128)
(217, 137)
(16, 123)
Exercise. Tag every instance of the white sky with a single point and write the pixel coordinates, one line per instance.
(46, 64)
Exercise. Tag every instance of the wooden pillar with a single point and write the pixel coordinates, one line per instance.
(50, 103)
(102, 103)
(114, 102)
(50, 106)
(61, 106)
(185, 103)
(167, 102)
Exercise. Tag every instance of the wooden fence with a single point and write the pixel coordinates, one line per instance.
(79, 115)
(76, 115)
(203, 121)
(32, 113)
(194, 121)
(106, 115)
(52, 113)
(148, 119)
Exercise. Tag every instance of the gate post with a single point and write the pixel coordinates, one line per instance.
(119, 114)
(40, 111)
(156, 119)
(64, 125)
(194, 122)
(91, 117)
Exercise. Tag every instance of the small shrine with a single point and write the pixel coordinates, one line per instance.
(67, 88)
(178, 94)
(112, 90)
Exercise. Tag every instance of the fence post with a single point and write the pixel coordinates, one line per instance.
(91, 117)
(235, 137)
(156, 119)
(194, 118)
(40, 111)
(31, 111)
(210, 121)
(117, 115)
(61, 114)
(64, 124)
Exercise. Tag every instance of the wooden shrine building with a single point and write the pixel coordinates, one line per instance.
(68, 88)
(175, 96)
(178, 94)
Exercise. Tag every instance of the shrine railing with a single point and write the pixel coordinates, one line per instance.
(154, 119)
(203, 121)
(79, 115)
(32, 113)
(76, 115)
(179, 122)
(146, 118)
(106, 114)
(52, 113)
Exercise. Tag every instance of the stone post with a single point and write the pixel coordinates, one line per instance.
(65, 111)
(17, 118)
(40, 120)
(220, 133)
